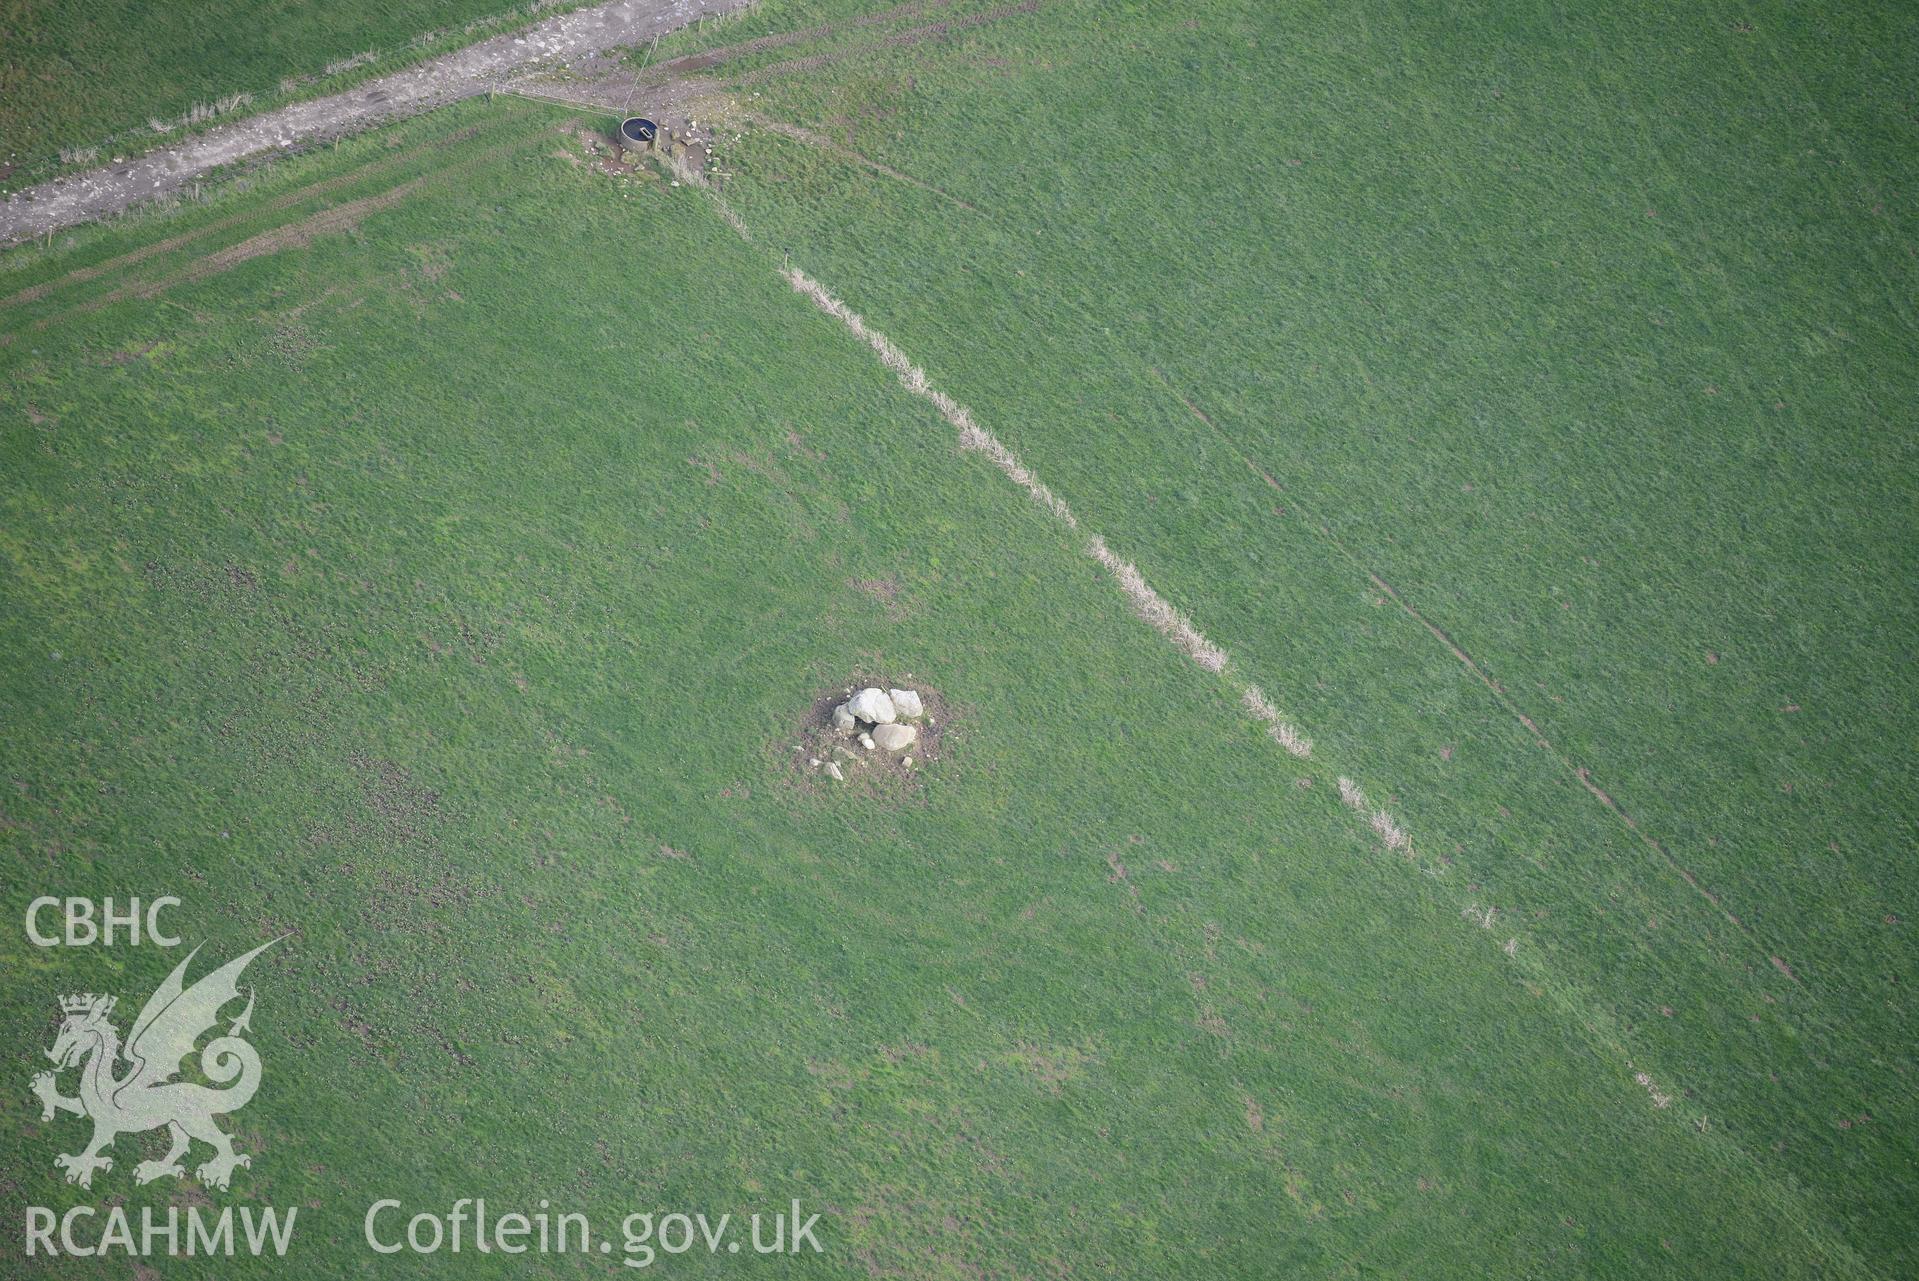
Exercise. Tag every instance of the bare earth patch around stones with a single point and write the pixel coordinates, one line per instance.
(828, 749)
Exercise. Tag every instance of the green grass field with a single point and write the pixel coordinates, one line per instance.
(430, 552)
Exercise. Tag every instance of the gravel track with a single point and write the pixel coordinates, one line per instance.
(478, 68)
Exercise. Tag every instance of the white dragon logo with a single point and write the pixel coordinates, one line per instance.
(146, 1097)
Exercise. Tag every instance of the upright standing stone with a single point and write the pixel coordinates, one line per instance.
(895, 738)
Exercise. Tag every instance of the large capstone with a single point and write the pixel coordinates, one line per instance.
(873, 706)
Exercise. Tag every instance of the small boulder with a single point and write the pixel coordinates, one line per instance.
(874, 706)
(866, 741)
(896, 738)
(843, 720)
(833, 768)
(907, 703)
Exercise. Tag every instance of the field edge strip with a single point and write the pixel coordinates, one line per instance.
(1151, 607)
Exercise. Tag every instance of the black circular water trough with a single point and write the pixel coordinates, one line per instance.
(638, 131)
